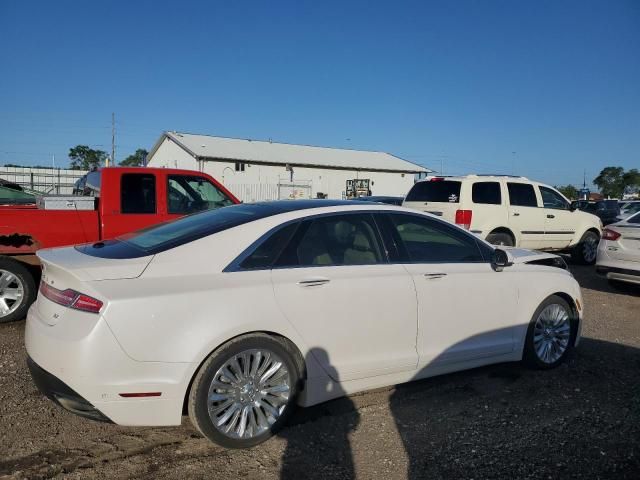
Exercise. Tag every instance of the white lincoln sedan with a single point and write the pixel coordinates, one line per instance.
(235, 315)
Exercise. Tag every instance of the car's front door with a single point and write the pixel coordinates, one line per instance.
(560, 224)
(526, 219)
(335, 286)
(465, 308)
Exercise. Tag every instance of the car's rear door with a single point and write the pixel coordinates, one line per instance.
(136, 206)
(355, 310)
(465, 308)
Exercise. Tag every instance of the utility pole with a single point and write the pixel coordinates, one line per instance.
(113, 139)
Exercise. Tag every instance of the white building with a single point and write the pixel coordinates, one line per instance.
(258, 170)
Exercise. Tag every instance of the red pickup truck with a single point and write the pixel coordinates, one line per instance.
(106, 203)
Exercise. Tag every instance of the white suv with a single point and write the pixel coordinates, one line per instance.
(510, 211)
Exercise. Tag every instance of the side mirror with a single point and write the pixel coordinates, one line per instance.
(573, 207)
(500, 259)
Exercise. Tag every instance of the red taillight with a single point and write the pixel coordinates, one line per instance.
(610, 234)
(463, 218)
(436, 179)
(71, 298)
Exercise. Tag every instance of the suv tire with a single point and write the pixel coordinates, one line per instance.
(585, 252)
(499, 238)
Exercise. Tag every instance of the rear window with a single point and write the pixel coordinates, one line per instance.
(522, 195)
(165, 236)
(486, 192)
(447, 191)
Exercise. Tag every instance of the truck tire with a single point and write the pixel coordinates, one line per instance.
(17, 290)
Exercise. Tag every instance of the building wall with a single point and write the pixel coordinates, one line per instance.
(260, 182)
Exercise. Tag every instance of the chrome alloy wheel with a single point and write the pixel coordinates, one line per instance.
(590, 249)
(248, 393)
(11, 293)
(551, 333)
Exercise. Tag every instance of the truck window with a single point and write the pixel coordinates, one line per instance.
(138, 193)
(486, 192)
(435, 190)
(189, 194)
(522, 195)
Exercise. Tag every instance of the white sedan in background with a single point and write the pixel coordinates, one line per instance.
(619, 251)
(242, 312)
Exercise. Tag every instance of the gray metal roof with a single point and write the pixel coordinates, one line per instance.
(271, 153)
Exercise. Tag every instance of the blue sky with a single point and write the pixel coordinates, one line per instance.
(462, 84)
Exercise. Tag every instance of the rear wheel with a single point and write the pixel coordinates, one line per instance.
(245, 390)
(500, 238)
(17, 290)
(551, 334)
(586, 250)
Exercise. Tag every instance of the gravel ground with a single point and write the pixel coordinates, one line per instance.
(581, 420)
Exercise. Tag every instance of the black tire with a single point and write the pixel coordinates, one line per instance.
(584, 253)
(199, 393)
(499, 238)
(21, 277)
(530, 357)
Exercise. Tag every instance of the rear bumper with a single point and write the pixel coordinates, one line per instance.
(62, 394)
(79, 364)
(620, 274)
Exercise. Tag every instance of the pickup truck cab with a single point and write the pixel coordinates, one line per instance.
(106, 203)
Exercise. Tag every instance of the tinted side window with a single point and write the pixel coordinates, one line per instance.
(486, 192)
(335, 240)
(435, 191)
(430, 241)
(551, 199)
(522, 194)
(634, 219)
(138, 193)
(269, 250)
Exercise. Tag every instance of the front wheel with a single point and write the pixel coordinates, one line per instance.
(586, 250)
(17, 290)
(245, 390)
(551, 334)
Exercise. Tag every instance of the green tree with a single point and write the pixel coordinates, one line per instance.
(610, 181)
(84, 158)
(135, 160)
(631, 180)
(568, 191)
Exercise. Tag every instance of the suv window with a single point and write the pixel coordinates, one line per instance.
(138, 193)
(335, 240)
(552, 199)
(522, 195)
(430, 241)
(435, 191)
(187, 194)
(486, 192)
(269, 250)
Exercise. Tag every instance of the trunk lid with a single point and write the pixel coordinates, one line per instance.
(67, 268)
(627, 246)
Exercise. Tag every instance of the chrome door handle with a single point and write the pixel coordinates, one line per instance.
(551, 216)
(434, 276)
(313, 282)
